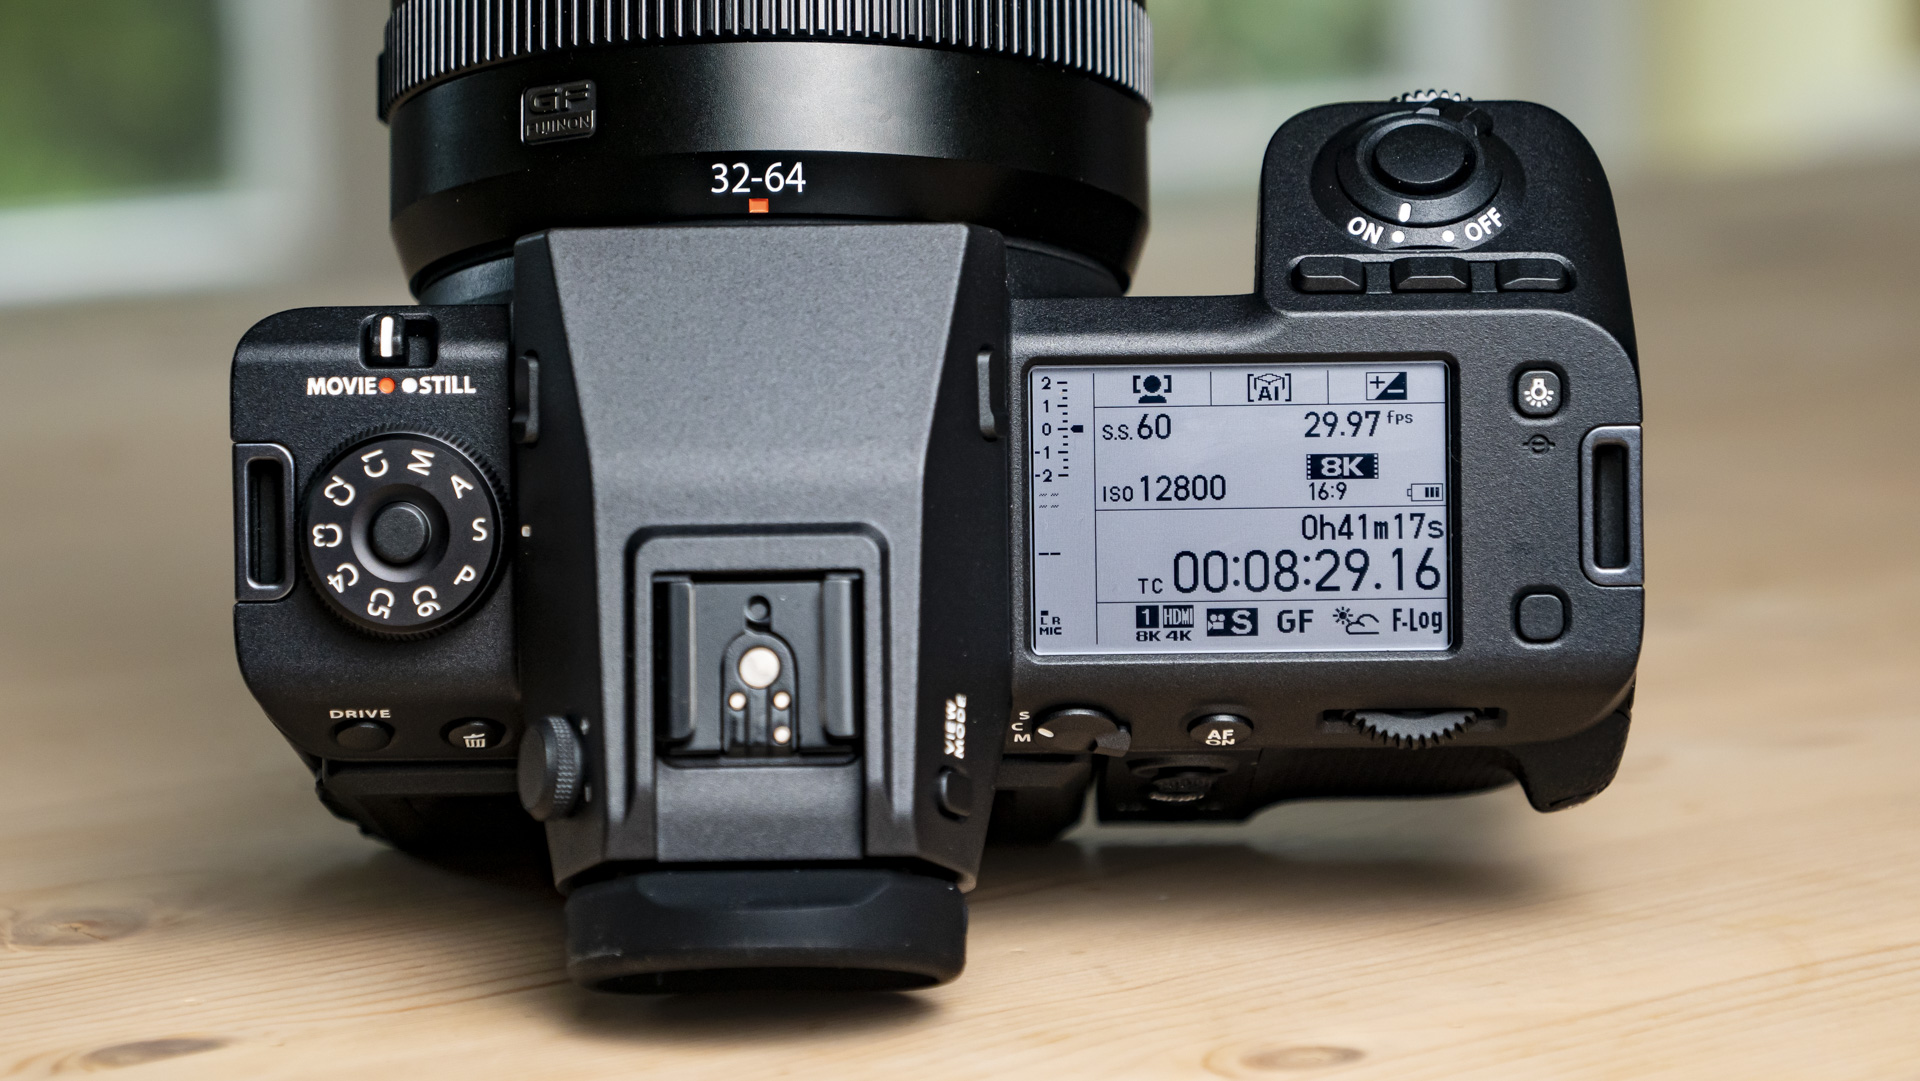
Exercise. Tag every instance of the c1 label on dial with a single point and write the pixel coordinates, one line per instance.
(1245, 508)
(400, 533)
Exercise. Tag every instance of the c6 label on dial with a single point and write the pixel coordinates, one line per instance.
(400, 533)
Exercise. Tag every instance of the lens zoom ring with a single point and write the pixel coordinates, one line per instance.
(432, 40)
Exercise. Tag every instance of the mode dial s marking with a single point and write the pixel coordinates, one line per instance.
(400, 533)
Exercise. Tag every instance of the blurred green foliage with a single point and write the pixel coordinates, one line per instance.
(107, 97)
(1212, 43)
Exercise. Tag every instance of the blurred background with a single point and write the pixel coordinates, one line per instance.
(172, 171)
(152, 146)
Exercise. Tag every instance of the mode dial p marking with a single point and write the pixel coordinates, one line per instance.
(401, 533)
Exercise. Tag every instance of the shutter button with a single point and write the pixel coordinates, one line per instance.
(1420, 159)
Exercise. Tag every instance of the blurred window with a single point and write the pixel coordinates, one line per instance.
(1214, 43)
(158, 145)
(108, 97)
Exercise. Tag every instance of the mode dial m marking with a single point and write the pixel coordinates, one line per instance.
(401, 533)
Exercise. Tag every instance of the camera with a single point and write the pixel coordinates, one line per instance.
(773, 495)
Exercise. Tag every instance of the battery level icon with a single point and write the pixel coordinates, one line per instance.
(1427, 493)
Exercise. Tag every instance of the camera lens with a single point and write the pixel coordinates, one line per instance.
(512, 116)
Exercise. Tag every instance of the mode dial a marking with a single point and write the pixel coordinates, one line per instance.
(401, 533)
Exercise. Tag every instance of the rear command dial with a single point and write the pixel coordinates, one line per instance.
(401, 533)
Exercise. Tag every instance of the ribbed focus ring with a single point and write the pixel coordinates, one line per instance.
(432, 40)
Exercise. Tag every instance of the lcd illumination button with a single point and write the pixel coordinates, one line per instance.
(1537, 393)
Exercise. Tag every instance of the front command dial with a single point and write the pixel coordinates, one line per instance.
(401, 533)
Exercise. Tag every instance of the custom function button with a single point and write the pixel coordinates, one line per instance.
(1537, 393)
(1540, 617)
(954, 792)
(476, 734)
(363, 736)
(1330, 274)
(1431, 274)
(400, 533)
(1533, 276)
(1221, 730)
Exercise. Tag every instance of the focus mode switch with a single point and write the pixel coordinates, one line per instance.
(1080, 731)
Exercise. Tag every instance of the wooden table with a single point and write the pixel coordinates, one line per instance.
(1744, 902)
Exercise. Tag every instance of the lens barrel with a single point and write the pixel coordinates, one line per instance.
(512, 116)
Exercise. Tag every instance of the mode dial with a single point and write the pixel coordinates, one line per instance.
(401, 533)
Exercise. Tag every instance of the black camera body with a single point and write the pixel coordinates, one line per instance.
(772, 556)
(1516, 306)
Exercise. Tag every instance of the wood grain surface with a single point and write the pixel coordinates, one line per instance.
(1744, 902)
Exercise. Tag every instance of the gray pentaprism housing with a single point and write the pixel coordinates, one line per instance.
(746, 411)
